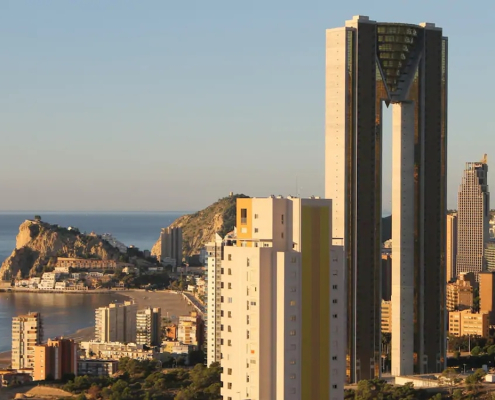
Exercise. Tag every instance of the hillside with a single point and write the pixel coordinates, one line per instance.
(200, 228)
(38, 243)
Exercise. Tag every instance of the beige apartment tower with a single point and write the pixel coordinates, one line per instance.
(473, 229)
(283, 304)
(27, 332)
(116, 323)
(487, 294)
(171, 245)
(370, 64)
(451, 247)
(148, 326)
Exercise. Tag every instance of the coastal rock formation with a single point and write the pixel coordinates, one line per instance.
(39, 243)
(200, 228)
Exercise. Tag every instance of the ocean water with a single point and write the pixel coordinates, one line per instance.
(140, 229)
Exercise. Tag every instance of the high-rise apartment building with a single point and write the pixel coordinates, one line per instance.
(490, 256)
(191, 329)
(27, 332)
(487, 294)
(214, 251)
(368, 64)
(282, 303)
(460, 294)
(451, 247)
(55, 359)
(171, 245)
(386, 316)
(148, 327)
(473, 229)
(116, 323)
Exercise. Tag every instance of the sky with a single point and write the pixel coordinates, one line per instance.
(164, 106)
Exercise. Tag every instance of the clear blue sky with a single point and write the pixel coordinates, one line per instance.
(170, 105)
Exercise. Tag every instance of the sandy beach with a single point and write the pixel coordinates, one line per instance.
(172, 306)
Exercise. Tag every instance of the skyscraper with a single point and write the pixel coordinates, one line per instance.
(116, 323)
(451, 250)
(283, 302)
(148, 326)
(171, 245)
(27, 332)
(473, 229)
(368, 64)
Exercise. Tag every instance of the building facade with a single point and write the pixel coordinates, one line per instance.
(369, 64)
(191, 329)
(487, 294)
(214, 253)
(171, 245)
(490, 256)
(27, 332)
(55, 359)
(148, 327)
(386, 316)
(97, 367)
(473, 228)
(116, 351)
(451, 247)
(463, 323)
(116, 323)
(282, 303)
(460, 294)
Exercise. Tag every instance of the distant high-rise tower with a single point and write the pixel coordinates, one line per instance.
(148, 326)
(27, 332)
(473, 229)
(116, 323)
(370, 63)
(171, 245)
(451, 247)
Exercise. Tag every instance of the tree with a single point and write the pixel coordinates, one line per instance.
(457, 394)
(476, 351)
(491, 349)
(473, 381)
(451, 378)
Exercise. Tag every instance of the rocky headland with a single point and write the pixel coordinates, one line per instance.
(39, 243)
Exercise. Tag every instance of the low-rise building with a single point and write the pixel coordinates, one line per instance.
(460, 293)
(97, 367)
(171, 333)
(9, 377)
(116, 351)
(176, 348)
(386, 322)
(465, 322)
(89, 263)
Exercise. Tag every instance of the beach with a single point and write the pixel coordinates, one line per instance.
(172, 306)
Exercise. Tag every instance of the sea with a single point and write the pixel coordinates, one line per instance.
(64, 314)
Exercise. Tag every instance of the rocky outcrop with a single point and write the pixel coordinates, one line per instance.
(39, 243)
(200, 228)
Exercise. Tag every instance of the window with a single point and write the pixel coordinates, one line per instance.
(229, 285)
(293, 362)
(293, 376)
(334, 301)
(247, 334)
(334, 286)
(292, 289)
(255, 230)
(229, 343)
(293, 303)
(282, 218)
(247, 319)
(247, 378)
(247, 262)
(221, 271)
(221, 327)
(255, 216)
(221, 342)
(247, 305)
(243, 215)
(229, 371)
(229, 257)
(229, 300)
(229, 271)
(282, 235)
(292, 333)
(221, 285)
(229, 314)
(229, 328)
(334, 358)
(334, 316)
(292, 318)
(229, 385)
(221, 313)
(221, 299)
(334, 386)
(253, 303)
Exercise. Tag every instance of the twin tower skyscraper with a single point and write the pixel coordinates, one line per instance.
(369, 64)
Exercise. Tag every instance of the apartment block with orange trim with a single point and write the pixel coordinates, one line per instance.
(55, 359)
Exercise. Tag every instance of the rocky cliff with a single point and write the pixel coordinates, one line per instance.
(201, 227)
(38, 243)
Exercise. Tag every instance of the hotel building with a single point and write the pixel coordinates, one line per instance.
(282, 303)
(404, 66)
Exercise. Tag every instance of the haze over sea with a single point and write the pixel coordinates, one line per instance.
(66, 313)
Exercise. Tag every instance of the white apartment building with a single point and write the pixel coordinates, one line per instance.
(27, 332)
(282, 303)
(116, 351)
(213, 265)
(116, 323)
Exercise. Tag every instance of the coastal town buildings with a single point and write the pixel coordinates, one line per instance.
(54, 359)
(27, 332)
(97, 367)
(463, 323)
(116, 323)
(191, 329)
(405, 66)
(148, 327)
(460, 294)
(282, 302)
(116, 351)
(473, 217)
(64, 263)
